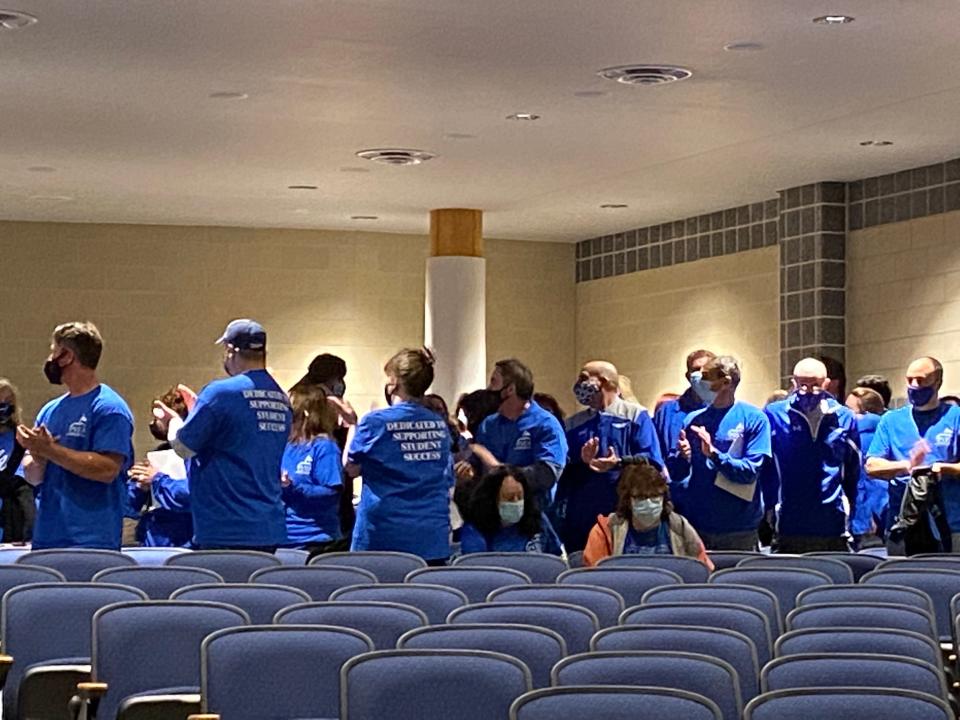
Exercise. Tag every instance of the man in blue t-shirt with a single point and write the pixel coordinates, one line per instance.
(80, 449)
(924, 434)
(669, 418)
(816, 466)
(521, 433)
(233, 438)
(719, 456)
(599, 437)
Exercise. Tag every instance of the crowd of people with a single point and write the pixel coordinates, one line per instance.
(244, 464)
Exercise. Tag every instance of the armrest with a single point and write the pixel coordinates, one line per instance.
(6, 662)
(83, 705)
(46, 689)
(204, 716)
(164, 703)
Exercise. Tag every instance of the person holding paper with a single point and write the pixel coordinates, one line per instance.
(923, 434)
(718, 459)
(816, 468)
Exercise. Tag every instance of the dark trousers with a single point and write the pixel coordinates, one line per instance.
(272, 549)
(731, 541)
(799, 544)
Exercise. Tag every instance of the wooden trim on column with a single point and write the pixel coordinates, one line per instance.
(456, 231)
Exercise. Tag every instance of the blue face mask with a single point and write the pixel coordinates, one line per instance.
(510, 512)
(807, 402)
(702, 387)
(920, 396)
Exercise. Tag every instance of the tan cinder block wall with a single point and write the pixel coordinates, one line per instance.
(161, 295)
(903, 298)
(647, 322)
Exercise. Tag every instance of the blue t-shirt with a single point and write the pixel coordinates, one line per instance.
(506, 539)
(7, 441)
(814, 473)
(404, 456)
(655, 541)
(583, 494)
(167, 522)
(535, 436)
(73, 511)
(741, 435)
(872, 493)
(238, 430)
(312, 498)
(897, 433)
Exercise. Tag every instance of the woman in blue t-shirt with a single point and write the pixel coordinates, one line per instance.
(311, 473)
(503, 516)
(403, 454)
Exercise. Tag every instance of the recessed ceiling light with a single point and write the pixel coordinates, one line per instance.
(396, 156)
(224, 95)
(301, 187)
(743, 46)
(876, 143)
(459, 136)
(41, 169)
(364, 217)
(354, 170)
(645, 74)
(613, 206)
(14, 20)
(833, 19)
(523, 116)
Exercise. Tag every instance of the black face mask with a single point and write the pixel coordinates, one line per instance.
(53, 371)
(6, 413)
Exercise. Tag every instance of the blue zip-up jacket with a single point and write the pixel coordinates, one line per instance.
(741, 435)
(582, 493)
(815, 468)
(668, 420)
(872, 495)
(168, 522)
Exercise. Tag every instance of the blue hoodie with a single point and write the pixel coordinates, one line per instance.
(813, 467)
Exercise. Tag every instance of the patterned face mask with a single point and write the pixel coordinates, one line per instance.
(585, 392)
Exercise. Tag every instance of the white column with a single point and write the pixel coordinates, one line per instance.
(455, 324)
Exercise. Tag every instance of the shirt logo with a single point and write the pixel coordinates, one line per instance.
(305, 466)
(735, 433)
(943, 437)
(523, 442)
(79, 428)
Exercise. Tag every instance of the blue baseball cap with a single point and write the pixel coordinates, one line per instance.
(244, 334)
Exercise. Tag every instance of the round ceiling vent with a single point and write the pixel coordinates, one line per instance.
(14, 19)
(645, 74)
(396, 156)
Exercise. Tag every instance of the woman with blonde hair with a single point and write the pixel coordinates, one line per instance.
(403, 452)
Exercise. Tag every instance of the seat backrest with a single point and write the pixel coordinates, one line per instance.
(539, 567)
(475, 582)
(76, 565)
(860, 564)
(317, 581)
(152, 555)
(853, 703)
(940, 585)
(612, 702)
(708, 676)
(733, 647)
(536, 647)
(292, 556)
(691, 570)
(50, 621)
(605, 603)
(157, 582)
(251, 671)
(436, 601)
(630, 582)
(894, 594)
(576, 625)
(575, 559)
(862, 615)
(260, 602)
(383, 622)
(741, 618)
(839, 572)
(881, 641)
(389, 567)
(938, 562)
(12, 576)
(724, 559)
(428, 684)
(9, 555)
(234, 566)
(144, 646)
(750, 595)
(785, 583)
(852, 669)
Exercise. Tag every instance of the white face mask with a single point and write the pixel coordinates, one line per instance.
(648, 509)
(510, 512)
